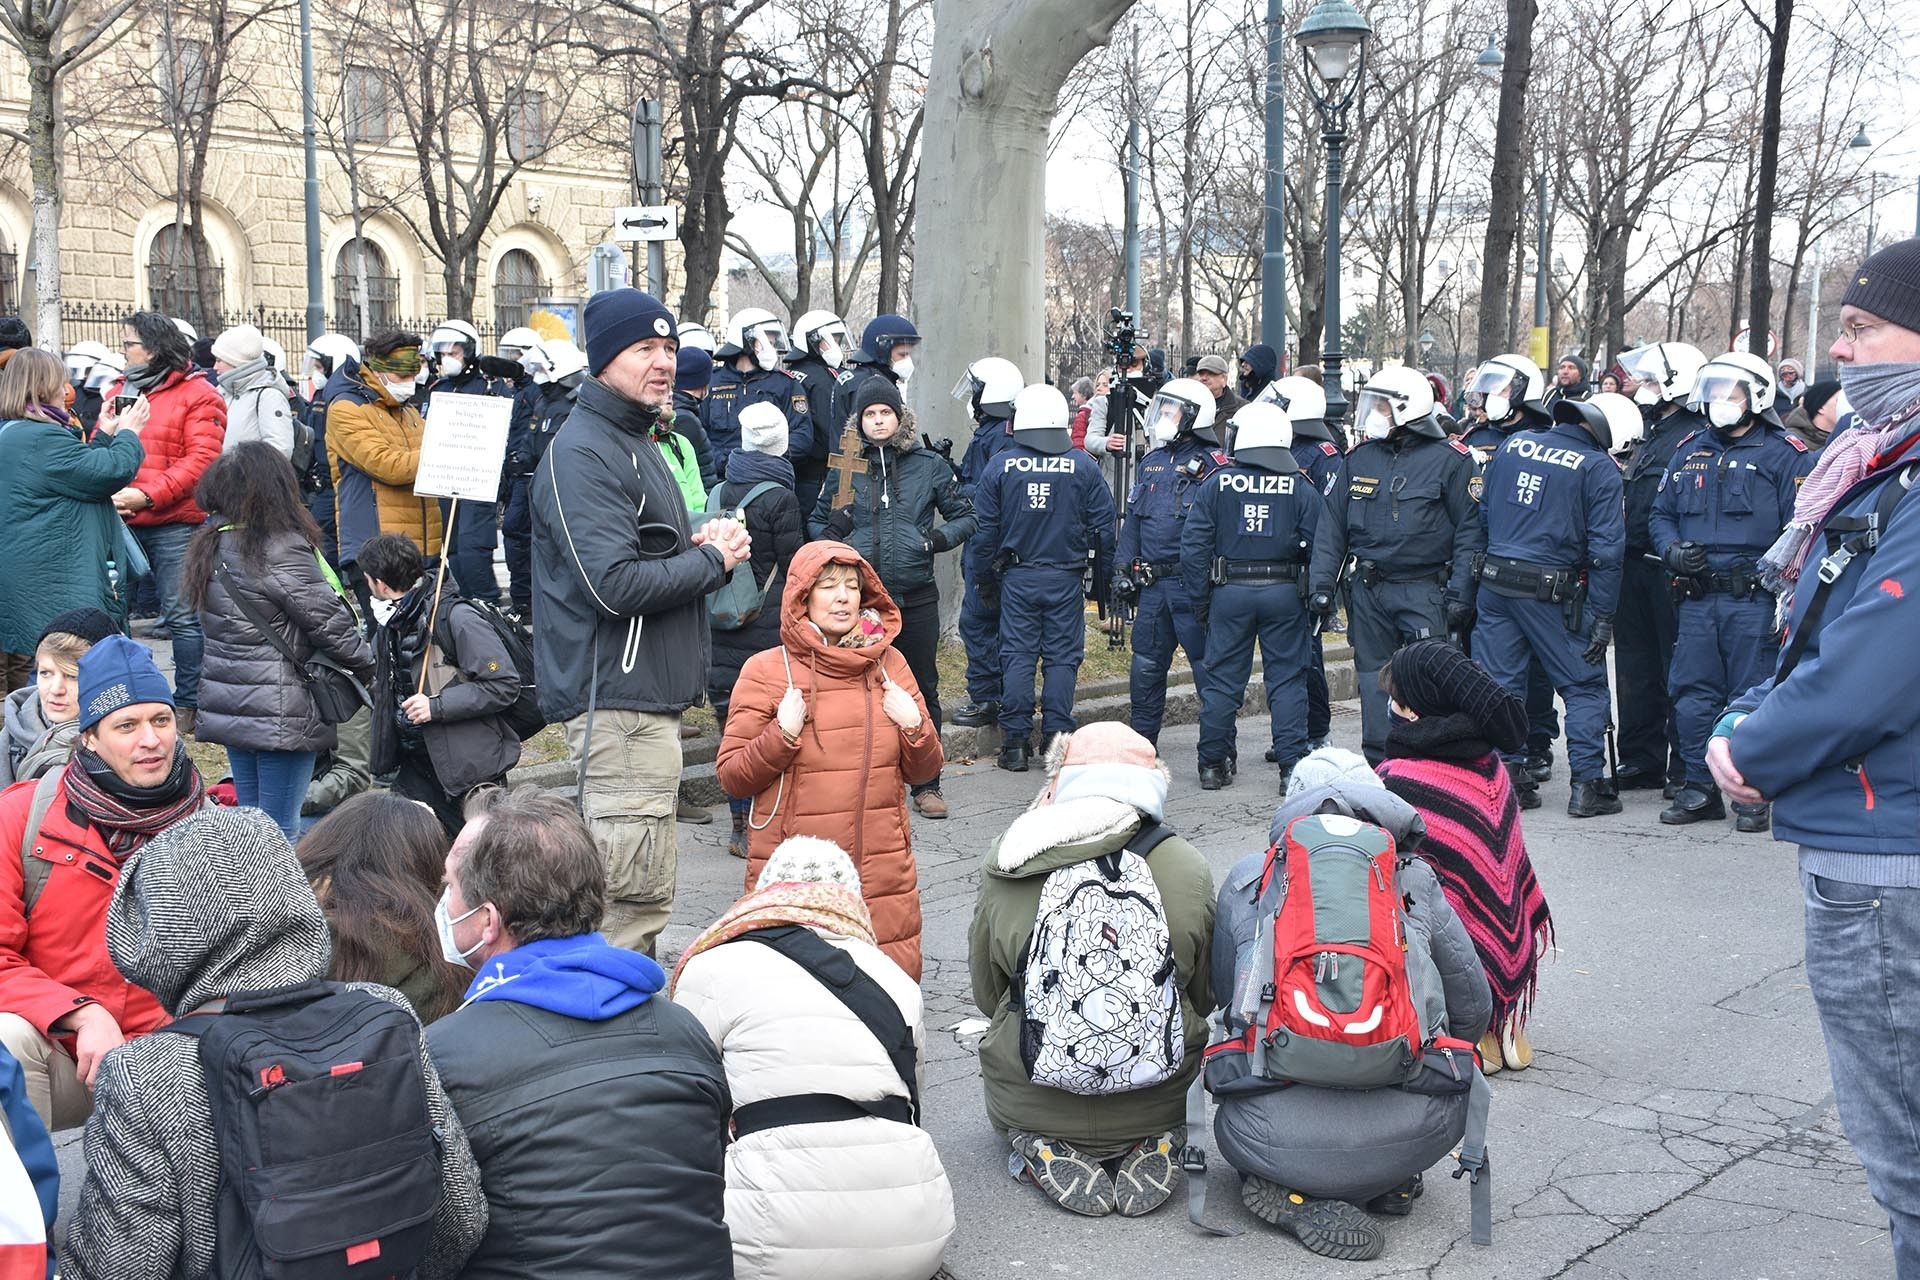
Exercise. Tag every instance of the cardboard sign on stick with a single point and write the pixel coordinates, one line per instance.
(464, 448)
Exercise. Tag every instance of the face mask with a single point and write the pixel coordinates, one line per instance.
(1646, 395)
(1878, 392)
(831, 353)
(903, 369)
(1378, 425)
(452, 366)
(443, 925)
(383, 610)
(401, 391)
(1498, 407)
(1725, 416)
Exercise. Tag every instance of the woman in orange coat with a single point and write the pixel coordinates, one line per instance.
(827, 732)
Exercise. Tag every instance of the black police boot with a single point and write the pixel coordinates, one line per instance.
(1540, 766)
(1591, 798)
(1694, 804)
(1015, 754)
(976, 715)
(1215, 776)
(1752, 817)
(1272, 756)
(1641, 780)
(1525, 789)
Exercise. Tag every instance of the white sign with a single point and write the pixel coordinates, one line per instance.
(646, 222)
(464, 447)
(1773, 342)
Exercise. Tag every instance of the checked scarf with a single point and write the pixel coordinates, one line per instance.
(127, 815)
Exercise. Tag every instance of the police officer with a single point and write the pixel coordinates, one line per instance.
(1046, 520)
(1556, 533)
(555, 370)
(886, 351)
(1504, 396)
(325, 354)
(1318, 454)
(988, 386)
(1403, 509)
(747, 370)
(1728, 493)
(453, 361)
(1243, 554)
(819, 349)
(1663, 375)
(1184, 451)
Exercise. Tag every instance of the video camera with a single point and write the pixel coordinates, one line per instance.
(1122, 337)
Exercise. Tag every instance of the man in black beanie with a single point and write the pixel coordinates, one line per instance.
(620, 581)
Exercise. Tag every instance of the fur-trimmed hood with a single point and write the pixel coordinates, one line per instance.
(1050, 836)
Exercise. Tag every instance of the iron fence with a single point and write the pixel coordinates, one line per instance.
(101, 322)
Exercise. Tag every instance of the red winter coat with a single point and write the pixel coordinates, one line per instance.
(57, 959)
(182, 438)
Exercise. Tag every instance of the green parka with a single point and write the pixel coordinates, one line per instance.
(58, 530)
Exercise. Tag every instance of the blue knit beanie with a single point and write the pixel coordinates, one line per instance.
(615, 319)
(115, 673)
(695, 370)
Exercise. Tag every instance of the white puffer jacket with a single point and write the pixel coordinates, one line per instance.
(855, 1199)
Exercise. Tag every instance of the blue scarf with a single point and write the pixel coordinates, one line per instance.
(583, 977)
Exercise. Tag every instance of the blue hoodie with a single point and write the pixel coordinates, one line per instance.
(583, 977)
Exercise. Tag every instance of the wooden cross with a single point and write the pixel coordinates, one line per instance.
(846, 464)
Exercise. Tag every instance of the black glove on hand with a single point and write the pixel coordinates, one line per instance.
(1124, 590)
(840, 524)
(1460, 617)
(937, 540)
(1599, 638)
(1688, 559)
(1321, 602)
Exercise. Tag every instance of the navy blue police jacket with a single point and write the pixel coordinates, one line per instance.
(1408, 504)
(1732, 496)
(730, 391)
(1553, 498)
(1249, 514)
(1169, 480)
(1049, 509)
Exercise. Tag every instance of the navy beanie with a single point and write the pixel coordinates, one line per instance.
(615, 319)
(695, 370)
(115, 673)
(1888, 285)
(14, 334)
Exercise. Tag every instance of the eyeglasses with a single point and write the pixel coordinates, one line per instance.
(1852, 333)
(132, 342)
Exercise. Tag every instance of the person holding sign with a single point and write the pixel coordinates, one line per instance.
(620, 580)
(373, 437)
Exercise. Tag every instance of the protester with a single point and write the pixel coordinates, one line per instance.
(268, 603)
(1311, 1155)
(1793, 380)
(254, 389)
(807, 737)
(129, 780)
(1814, 415)
(441, 688)
(620, 585)
(597, 1109)
(890, 521)
(342, 773)
(1451, 721)
(1211, 373)
(43, 719)
(1832, 737)
(373, 436)
(1570, 381)
(185, 428)
(1614, 382)
(1260, 365)
(62, 540)
(829, 1171)
(215, 907)
(376, 864)
(1112, 1142)
(1081, 399)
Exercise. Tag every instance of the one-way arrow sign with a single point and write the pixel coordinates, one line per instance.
(646, 222)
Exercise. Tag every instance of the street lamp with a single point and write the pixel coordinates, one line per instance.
(1862, 147)
(1426, 346)
(1333, 46)
(1490, 61)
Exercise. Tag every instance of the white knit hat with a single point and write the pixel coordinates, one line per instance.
(1329, 765)
(810, 860)
(763, 429)
(239, 345)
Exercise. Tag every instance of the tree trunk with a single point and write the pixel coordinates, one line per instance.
(45, 160)
(1509, 176)
(1760, 305)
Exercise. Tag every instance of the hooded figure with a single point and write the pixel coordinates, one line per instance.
(214, 905)
(1259, 365)
(842, 772)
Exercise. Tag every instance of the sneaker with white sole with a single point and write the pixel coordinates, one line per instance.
(1148, 1174)
(1071, 1179)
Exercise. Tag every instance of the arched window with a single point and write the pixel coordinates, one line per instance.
(183, 279)
(517, 286)
(360, 314)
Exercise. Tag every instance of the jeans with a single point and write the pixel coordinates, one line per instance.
(166, 548)
(1863, 963)
(274, 782)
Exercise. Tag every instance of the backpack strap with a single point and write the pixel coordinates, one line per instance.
(1193, 1158)
(1150, 836)
(35, 872)
(1473, 1158)
(1864, 538)
(764, 486)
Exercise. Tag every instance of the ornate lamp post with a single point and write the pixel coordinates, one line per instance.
(1333, 47)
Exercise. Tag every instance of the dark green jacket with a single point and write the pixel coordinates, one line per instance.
(58, 530)
(891, 522)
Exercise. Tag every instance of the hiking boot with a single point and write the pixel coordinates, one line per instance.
(1752, 817)
(1490, 1059)
(1525, 789)
(1515, 1049)
(1015, 755)
(1147, 1175)
(737, 842)
(1071, 1179)
(1330, 1228)
(1592, 798)
(184, 718)
(1398, 1203)
(1215, 776)
(928, 804)
(686, 810)
(1694, 804)
(1540, 766)
(976, 715)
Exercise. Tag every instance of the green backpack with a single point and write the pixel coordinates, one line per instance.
(739, 600)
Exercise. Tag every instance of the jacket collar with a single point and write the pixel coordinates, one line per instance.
(627, 415)
(1075, 829)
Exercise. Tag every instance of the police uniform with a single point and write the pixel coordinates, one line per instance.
(1243, 556)
(1556, 532)
(516, 515)
(980, 611)
(819, 382)
(1645, 626)
(730, 391)
(1044, 520)
(1169, 479)
(1404, 508)
(1732, 496)
(1319, 459)
(475, 527)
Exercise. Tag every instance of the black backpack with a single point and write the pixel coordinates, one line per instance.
(329, 1160)
(523, 717)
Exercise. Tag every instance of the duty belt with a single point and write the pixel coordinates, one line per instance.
(1148, 572)
(1739, 581)
(1520, 580)
(1373, 574)
(1254, 572)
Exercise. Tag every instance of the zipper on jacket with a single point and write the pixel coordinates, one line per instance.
(866, 772)
(1859, 769)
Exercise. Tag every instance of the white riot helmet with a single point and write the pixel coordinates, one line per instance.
(1624, 417)
(442, 341)
(515, 342)
(1611, 420)
(325, 354)
(1042, 420)
(1184, 406)
(822, 334)
(694, 334)
(755, 333)
(1505, 385)
(989, 387)
(105, 370)
(1305, 402)
(1735, 388)
(1665, 371)
(1263, 437)
(1397, 398)
(192, 335)
(538, 364)
(81, 357)
(277, 357)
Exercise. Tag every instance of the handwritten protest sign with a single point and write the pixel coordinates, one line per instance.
(464, 448)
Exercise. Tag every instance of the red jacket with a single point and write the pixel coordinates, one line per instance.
(58, 959)
(182, 438)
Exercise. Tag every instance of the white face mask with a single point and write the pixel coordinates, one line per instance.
(1498, 407)
(831, 353)
(1725, 416)
(452, 366)
(1165, 428)
(443, 925)
(382, 610)
(1646, 395)
(903, 369)
(401, 391)
(1379, 423)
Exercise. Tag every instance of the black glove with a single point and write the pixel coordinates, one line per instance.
(1599, 638)
(1460, 617)
(937, 540)
(1124, 589)
(1687, 559)
(840, 524)
(1321, 602)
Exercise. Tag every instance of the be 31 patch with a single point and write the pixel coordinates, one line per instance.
(1475, 484)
